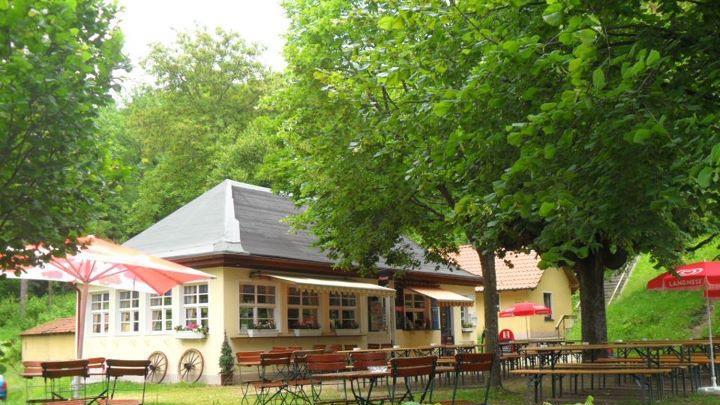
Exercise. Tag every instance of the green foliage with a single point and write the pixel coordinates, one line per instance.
(58, 62)
(227, 360)
(199, 123)
(581, 130)
(38, 310)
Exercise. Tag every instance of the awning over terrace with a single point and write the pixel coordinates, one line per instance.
(444, 298)
(336, 286)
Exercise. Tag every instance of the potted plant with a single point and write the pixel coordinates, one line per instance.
(191, 331)
(307, 327)
(226, 363)
(263, 328)
(345, 328)
(467, 327)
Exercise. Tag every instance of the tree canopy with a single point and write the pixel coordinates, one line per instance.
(198, 123)
(577, 129)
(57, 63)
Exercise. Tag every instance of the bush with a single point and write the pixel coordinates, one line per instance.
(227, 362)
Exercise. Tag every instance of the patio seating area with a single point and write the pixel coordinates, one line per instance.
(362, 376)
(88, 381)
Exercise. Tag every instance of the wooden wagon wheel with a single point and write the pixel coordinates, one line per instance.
(191, 366)
(158, 367)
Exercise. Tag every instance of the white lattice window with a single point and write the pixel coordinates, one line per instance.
(343, 311)
(161, 313)
(416, 308)
(129, 310)
(303, 308)
(196, 304)
(257, 306)
(100, 312)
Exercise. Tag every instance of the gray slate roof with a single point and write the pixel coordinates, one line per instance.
(240, 218)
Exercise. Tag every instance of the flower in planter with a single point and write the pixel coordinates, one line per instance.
(467, 325)
(349, 324)
(193, 327)
(264, 324)
(308, 323)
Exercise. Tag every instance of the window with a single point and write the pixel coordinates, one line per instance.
(343, 311)
(257, 306)
(129, 307)
(416, 312)
(547, 301)
(195, 302)
(466, 318)
(377, 320)
(100, 312)
(161, 312)
(302, 308)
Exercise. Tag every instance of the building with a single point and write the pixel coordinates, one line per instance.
(54, 340)
(272, 288)
(519, 279)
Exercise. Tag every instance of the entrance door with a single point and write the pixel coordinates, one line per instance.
(446, 326)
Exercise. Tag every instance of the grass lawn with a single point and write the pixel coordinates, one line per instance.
(514, 393)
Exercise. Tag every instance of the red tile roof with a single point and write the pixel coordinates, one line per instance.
(56, 327)
(522, 272)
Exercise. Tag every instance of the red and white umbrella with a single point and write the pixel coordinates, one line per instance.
(525, 309)
(105, 264)
(700, 276)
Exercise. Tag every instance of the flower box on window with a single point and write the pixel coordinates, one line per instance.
(189, 334)
(345, 328)
(307, 331)
(191, 331)
(467, 327)
(262, 332)
(347, 332)
(264, 328)
(467, 330)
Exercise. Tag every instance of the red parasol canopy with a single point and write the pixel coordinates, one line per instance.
(694, 276)
(700, 276)
(103, 263)
(525, 309)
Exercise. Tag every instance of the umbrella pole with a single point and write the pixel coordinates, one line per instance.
(713, 378)
(713, 389)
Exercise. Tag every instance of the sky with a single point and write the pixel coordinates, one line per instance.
(147, 21)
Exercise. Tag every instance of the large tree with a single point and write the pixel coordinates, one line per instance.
(57, 60)
(580, 129)
(196, 124)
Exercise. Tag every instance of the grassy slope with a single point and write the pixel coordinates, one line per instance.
(642, 314)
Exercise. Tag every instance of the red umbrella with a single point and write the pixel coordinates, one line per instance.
(103, 263)
(525, 309)
(701, 276)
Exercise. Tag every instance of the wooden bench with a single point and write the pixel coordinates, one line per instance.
(641, 375)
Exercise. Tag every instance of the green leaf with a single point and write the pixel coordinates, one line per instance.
(549, 151)
(705, 176)
(4, 5)
(442, 108)
(3, 369)
(652, 58)
(598, 79)
(641, 135)
(389, 23)
(546, 209)
(511, 46)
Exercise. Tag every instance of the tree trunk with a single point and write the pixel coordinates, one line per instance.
(491, 301)
(23, 297)
(591, 275)
(50, 294)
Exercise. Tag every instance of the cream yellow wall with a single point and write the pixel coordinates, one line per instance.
(141, 344)
(48, 347)
(554, 281)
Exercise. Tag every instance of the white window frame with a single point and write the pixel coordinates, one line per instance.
(163, 308)
(255, 305)
(197, 305)
(104, 310)
(302, 306)
(342, 307)
(551, 317)
(425, 310)
(132, 310)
